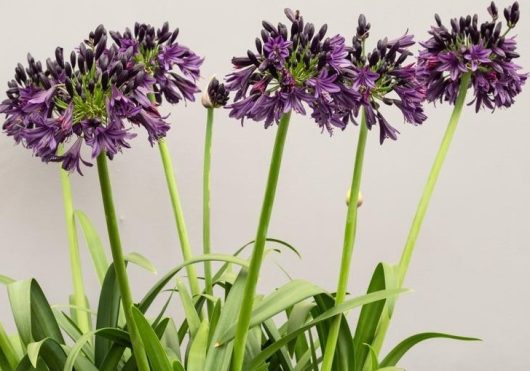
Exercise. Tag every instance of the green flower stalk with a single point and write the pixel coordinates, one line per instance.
(215, 96)
(433, 178)
(178, 213)
(347, 250)
(82, 316)
(206, 239)
(259, 245)
(119, 262)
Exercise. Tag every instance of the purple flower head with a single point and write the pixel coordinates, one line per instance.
(292, 68)
(95, 97)
(382, 77)
(484, 51)
(173, 67)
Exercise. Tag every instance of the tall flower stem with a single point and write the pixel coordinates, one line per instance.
(178, 214)
(347, 249)
(206, 241)
(119, 262)
(433, 177)
(259, 245)
(79, 297)
(421, 210)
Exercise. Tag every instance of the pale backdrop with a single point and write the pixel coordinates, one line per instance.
(470, 272)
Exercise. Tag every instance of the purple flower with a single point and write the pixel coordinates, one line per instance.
(378, 77)
(151, 120)
(477, 55)
(483, 51)
(71, 159)
(276, 49)
(292, 69)
(453, 64)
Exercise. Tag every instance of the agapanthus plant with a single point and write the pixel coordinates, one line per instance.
(384, 76)
(293, 68)
(452, 61)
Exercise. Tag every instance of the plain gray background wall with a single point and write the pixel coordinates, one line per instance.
(470, 270)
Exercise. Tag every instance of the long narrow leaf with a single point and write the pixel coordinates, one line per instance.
(7, 349)
(368, 320)
(199, 345)
(95, 247)
(399, 351)
(218, 356)
(192, 316)
(108, 310)
(153, 348)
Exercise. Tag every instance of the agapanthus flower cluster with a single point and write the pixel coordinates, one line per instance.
(485, 51)
(95, 97)
(383, 76)
(160, 55)
(292, 67)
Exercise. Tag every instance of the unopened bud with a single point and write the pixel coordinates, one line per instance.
(359, 199)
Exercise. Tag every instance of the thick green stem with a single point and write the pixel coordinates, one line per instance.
(82, 316)
(421, 210)
(431, 181)
(179, 215)
(206, 241)
(259, 245)
(119, 262)
(347, 249)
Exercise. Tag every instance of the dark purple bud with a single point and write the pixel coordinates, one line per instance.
(373, 58)
(82, 49)
(322, 31)
(91, 87)
(72, 59)
(493, 11)
(265, 35)
(69, 87)
(164, 37)
(315, 45)
(309, 30)
(59, 56)
(136, 28)
(89, 59)
(269, 27)
(31, 60)
(51, 68)
(438, 20)
(252, 57)
(291, 15)
(21, 73)
(100, 47)
(105, 80)
(294, 30)
(174, 36)
(68, 69)
(100, 30)
(259, 45)
(78, 88)
(282, 30)
(45, 81)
